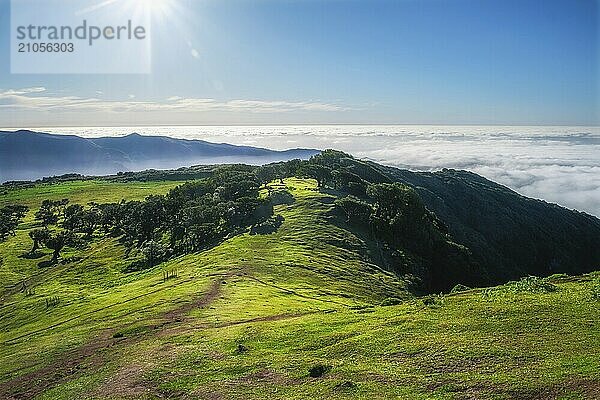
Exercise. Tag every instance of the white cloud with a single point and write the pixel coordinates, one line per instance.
(24, 91)
(30, 99)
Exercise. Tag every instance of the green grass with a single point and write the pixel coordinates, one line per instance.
(83, 192)
(303, 296)
(13, 267)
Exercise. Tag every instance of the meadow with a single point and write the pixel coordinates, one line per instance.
(299, 313)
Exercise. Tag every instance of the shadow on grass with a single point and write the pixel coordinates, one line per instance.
(32, 256)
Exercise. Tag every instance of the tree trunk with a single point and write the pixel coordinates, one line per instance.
(55, 256)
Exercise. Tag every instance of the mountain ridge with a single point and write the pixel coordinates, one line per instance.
(28, 155)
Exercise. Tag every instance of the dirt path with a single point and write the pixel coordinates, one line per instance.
(92, 355)
(74, 363)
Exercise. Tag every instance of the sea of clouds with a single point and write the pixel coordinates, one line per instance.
(555, 163)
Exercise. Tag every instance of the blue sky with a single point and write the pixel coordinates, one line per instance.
(307, 61)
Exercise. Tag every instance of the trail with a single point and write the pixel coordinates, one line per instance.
(74, 363)
(90, 313)
(71, 363)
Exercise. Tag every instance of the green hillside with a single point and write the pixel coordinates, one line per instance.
(305, 311)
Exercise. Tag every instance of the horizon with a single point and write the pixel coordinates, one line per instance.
(32, 127)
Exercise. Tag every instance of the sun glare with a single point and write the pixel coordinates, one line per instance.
(156, 9)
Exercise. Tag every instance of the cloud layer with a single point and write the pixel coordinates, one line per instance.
(556, 164)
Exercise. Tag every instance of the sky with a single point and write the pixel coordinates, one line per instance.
(334, 62)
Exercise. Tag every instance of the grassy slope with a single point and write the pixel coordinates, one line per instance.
(13, 268)
(293, 299)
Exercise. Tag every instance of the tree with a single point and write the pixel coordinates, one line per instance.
(349, 182)
(356, 210)
(200, 236)
(395, 202)
(10, 217)
(61, 205)
(72, 217)
(266, 174)
(48, 213)
(329, 158)
(109, 215)
(39, 236)
(154, 252)
(88, 220)
(318, 172)
(57, 242)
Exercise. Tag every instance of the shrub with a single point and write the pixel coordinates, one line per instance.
(391, 301)
(529, 284)
(346, 386)
(240, 349)
(269, 226)
(433, 300)
(459, 288)
(52, 301)
(318, 370)
(595, 290)
(281, 197)
(556, 277)
(130, 331)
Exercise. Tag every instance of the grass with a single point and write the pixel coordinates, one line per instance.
(13, 267)
(255, 316)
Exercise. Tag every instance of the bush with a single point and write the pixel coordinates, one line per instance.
(596, 290)
(391, 301)
(459, 288)
(346, 386)
(529, 284)
(318, 370)
(557, 277)
(281, 197)
(433, 300)
(269, 226)
(240, 349)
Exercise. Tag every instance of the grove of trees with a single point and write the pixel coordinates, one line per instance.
(191, 217)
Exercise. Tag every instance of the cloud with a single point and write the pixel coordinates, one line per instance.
(32, 99)
(21, 92)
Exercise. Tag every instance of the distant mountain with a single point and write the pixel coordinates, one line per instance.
(27, 155)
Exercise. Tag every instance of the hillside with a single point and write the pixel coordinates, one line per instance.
(509, 235)
(27, 155)
(314, 306)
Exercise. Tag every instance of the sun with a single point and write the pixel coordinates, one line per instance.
(157, 8)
